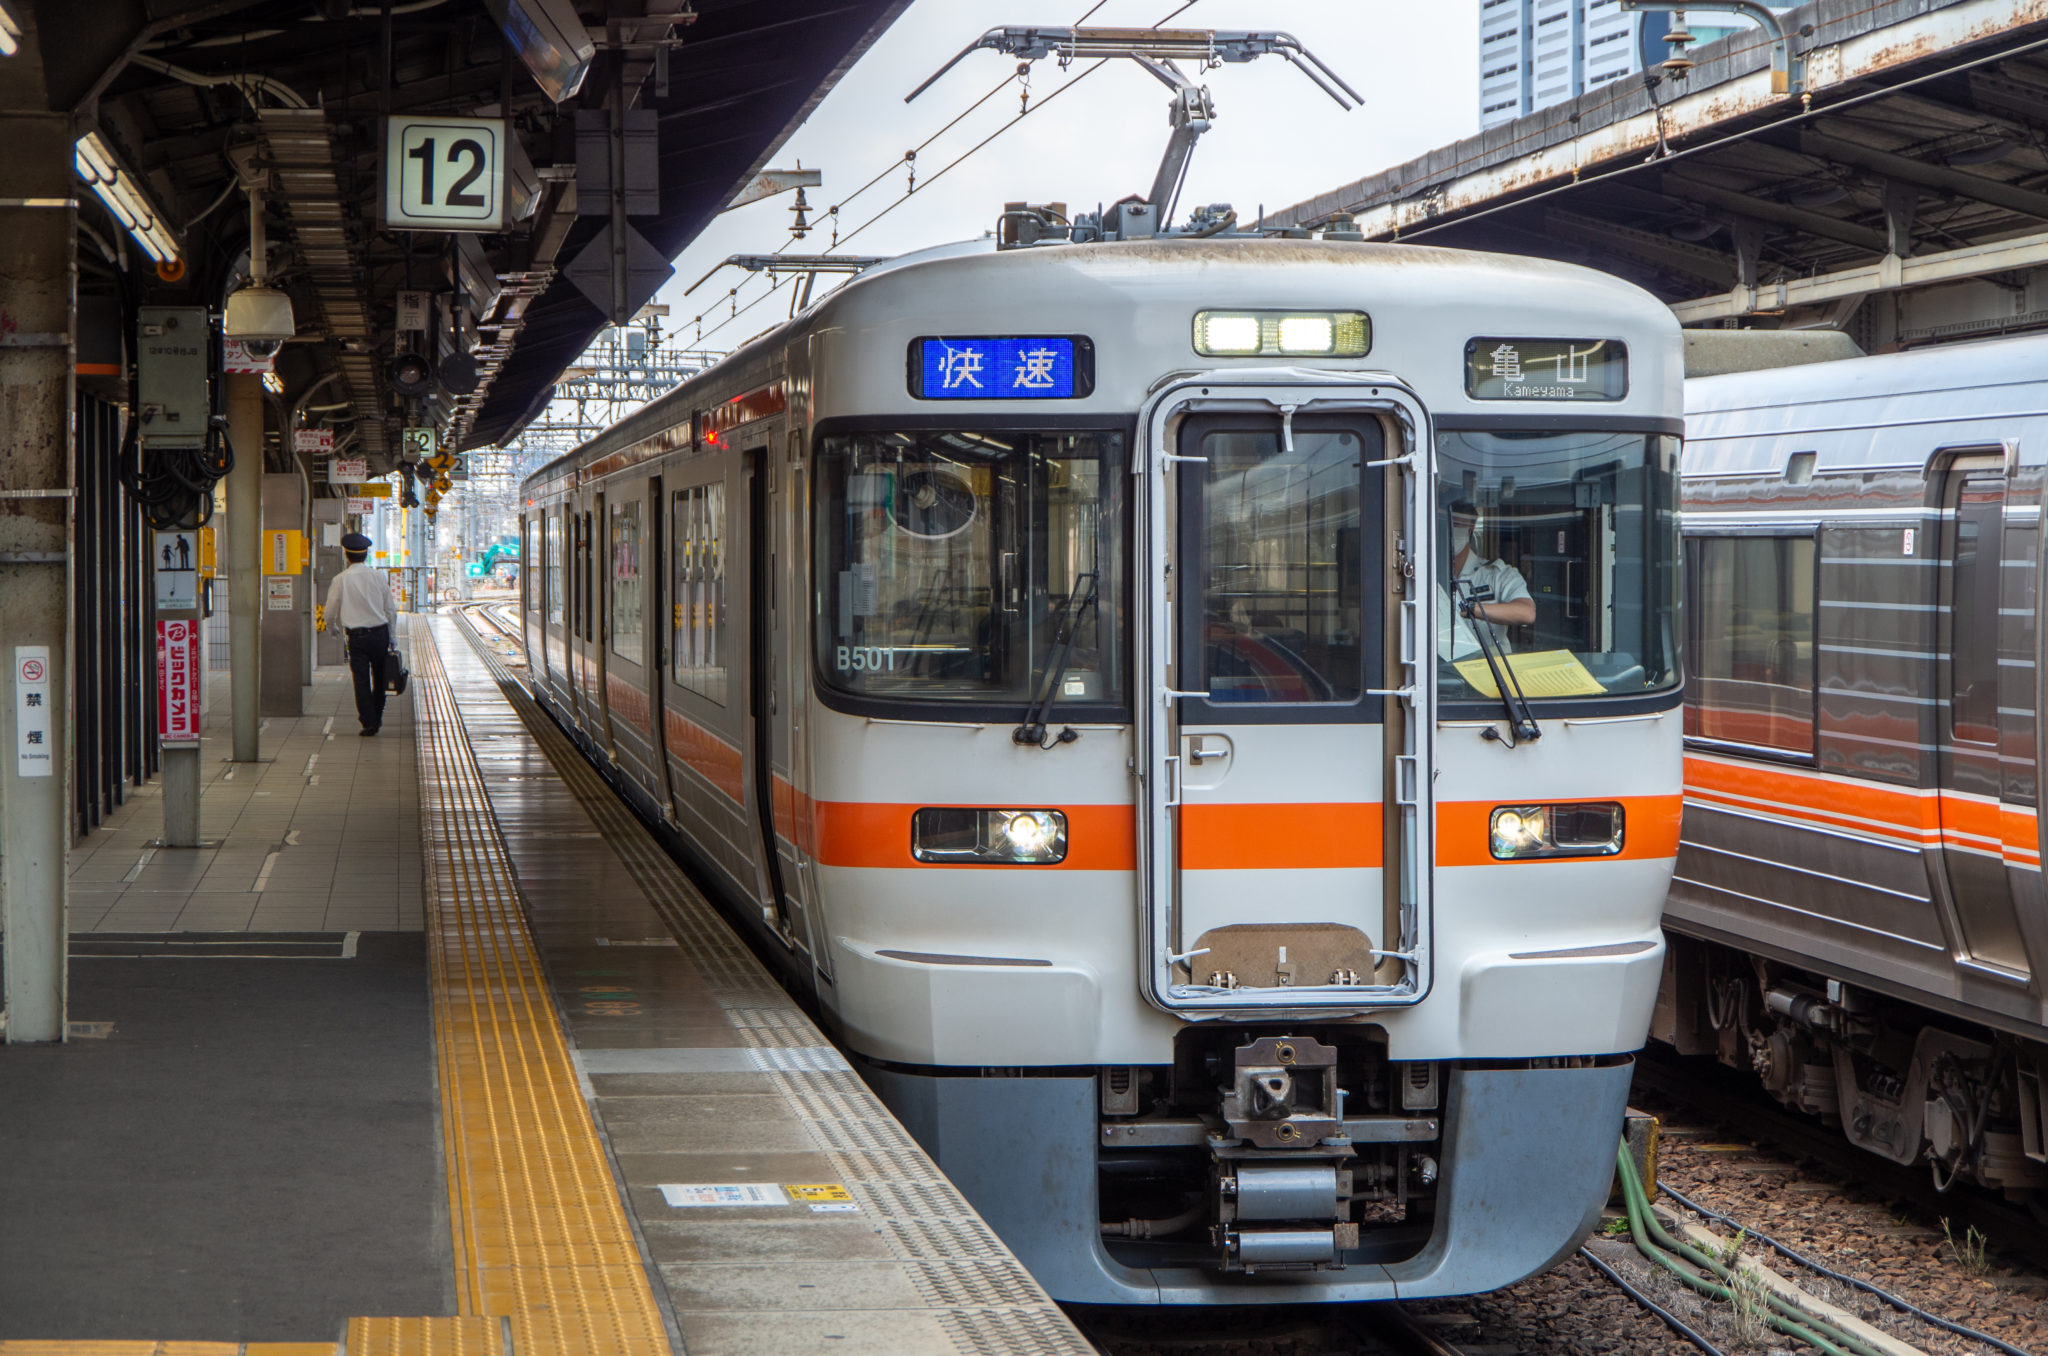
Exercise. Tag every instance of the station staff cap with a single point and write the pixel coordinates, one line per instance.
(355, 541)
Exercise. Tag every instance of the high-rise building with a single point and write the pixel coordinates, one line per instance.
(1535, 53)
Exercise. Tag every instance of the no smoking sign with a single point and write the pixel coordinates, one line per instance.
(35, 748)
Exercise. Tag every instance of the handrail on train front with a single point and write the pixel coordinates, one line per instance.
(1286, 392)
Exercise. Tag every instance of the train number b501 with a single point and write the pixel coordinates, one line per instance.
(866, 659)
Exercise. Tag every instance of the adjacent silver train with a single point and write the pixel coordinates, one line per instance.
(1858, 911)
(1054, 655)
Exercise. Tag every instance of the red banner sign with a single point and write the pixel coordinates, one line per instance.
(177, 681)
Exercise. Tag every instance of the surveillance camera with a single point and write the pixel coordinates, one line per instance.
(257, 315)
(260, 349)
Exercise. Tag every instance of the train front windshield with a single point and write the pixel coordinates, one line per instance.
(1567, 546)
(972, 566)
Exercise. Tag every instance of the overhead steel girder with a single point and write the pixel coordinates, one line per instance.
(1661, 252)
(1777, 213)
(1891, 165)
(1925, 270)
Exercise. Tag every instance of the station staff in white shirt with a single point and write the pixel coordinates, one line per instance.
(1511, 604)
(359, 601)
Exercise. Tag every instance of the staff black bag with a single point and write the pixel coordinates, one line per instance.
(392, 673)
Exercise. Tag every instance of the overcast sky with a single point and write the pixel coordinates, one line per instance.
(1277, 138)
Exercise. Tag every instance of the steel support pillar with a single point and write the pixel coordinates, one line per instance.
(245, 559)
(38, 288)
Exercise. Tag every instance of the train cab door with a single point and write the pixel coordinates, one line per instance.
(762, 614)
(1985, 764)
(1280, 648)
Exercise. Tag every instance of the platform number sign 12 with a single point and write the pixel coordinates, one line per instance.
(444, 174)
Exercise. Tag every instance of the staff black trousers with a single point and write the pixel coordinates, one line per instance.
(367, 646)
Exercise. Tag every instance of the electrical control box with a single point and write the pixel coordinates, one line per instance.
(172, 354)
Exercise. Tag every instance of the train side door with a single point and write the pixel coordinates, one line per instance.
(761, 703)
(1982, 836)
(602, 567)
(658, 640)
(1281, 740)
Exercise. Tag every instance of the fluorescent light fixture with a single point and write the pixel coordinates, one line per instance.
(123, 195)
(10, 32)
(550, 38)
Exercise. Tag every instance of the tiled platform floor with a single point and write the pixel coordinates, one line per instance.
(323, 836)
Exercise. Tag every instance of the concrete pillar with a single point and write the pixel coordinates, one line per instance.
(38, 288)
(328, 521)
(245, 558)
(285, 651)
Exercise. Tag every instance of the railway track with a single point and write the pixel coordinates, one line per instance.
(1268, 1330)
(1723, 1097)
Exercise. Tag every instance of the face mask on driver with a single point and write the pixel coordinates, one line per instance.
(1461, 537)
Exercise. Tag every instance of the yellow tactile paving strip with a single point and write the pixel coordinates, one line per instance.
(546, 1261)
(541, 1237)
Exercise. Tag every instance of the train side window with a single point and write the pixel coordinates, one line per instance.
(583, 561)
(1973, 610)
(551, 562)
(628, 597)
(1752, 647)
(697, 622)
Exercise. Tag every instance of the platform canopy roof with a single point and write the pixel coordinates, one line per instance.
(1914, 155)
(204, 99)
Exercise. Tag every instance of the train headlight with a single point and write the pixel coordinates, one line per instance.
(1583, 829)
(989, 837)
(1253, 334)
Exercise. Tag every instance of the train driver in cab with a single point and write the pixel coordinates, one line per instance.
(1510, 605)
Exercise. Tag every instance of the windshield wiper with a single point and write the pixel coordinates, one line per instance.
(1032, 731)
(1521, 720)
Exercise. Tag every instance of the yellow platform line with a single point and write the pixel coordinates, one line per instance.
(546, 1262)
(540, 1235)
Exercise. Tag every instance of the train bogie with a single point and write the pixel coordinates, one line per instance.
(1199, 717)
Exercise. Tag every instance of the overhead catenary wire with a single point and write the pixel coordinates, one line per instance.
(775, 284)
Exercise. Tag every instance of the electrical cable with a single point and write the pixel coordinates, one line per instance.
(1673, 1321)
(1896, 1301)
(1672, 1254)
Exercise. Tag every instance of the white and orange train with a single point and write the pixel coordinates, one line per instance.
(1858, 912)
(1081, 666)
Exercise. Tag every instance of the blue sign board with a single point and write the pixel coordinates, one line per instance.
(999, 368)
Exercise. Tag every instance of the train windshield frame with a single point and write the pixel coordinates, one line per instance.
(1566, 531)
(957, 566)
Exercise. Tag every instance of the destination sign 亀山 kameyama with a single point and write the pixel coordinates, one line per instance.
(1546, 369)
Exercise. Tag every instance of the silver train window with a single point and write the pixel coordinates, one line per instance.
(968, 565)
(629, 597)
(1566, 547)
(1753, 601)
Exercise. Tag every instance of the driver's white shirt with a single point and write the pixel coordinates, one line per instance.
(1454, 637)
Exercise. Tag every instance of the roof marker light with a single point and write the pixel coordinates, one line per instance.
(1248, 334)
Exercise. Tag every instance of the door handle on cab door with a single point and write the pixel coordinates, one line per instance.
(1201, 751)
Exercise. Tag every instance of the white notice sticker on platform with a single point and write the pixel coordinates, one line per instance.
(360, 506)
(35, 750)
(682, 1195)
(277, 592)
(348, 470)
